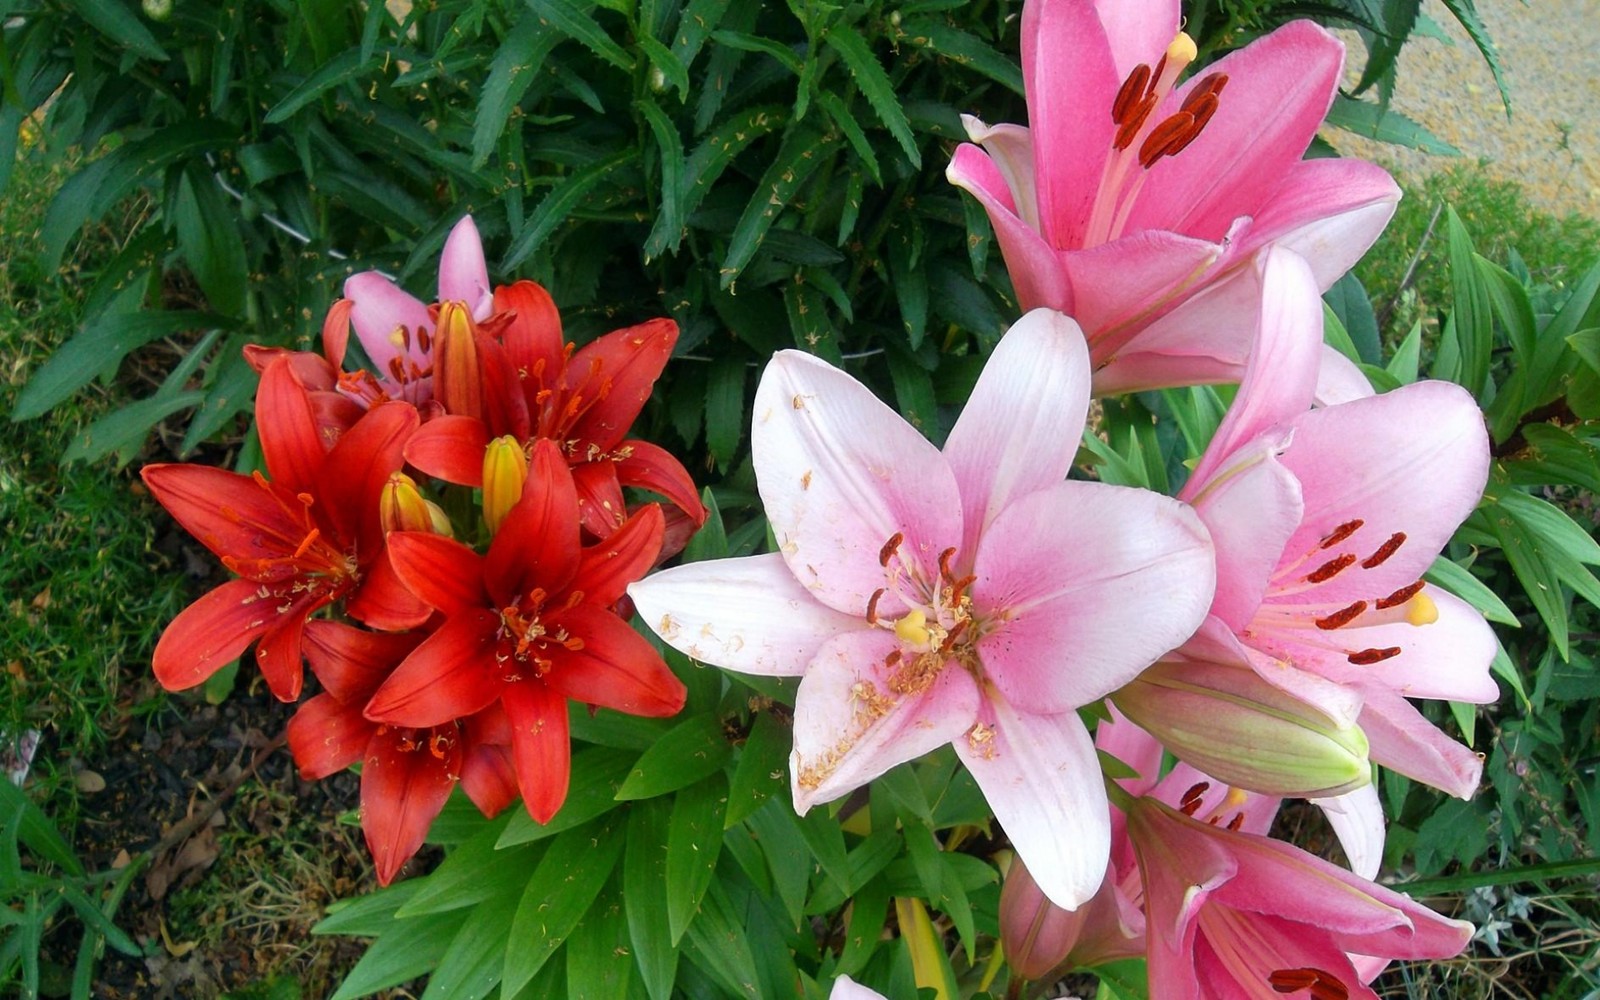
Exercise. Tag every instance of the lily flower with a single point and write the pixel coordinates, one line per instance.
(1236, 914)
(407, 774)
(528, 626)
(1134, 202)
(516, 377)
(969, 596)
(303, 536)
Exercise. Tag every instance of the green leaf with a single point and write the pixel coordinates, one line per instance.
(369, 915)
(1370, 120)
(560, 892)
(644, 872)
(762, 769)
(788, 859)
(717, 942)
(116, 20)
(694, 839)
(864, 928)
(597, 773)
(1538, 580)
(1470, 315)
(690, 751)
(230, 385)
(344, 67)
(718, 149)
(473, 872)
(1458, 581)
(599, 966)
(1349, 300)
(472, 965)
(514, 66)
(126, 428)
(209, 238)
(560, 202)
(803, 150)
(807, 311)
(948, 42)
(102, 343)
(725, 412)
(875, 86)
(1466, 12)
(569, 19)
(909, 278)
(711, 541)
(745, 42)
(668, 229)
(405, 949)
(1403, 366)
(35, 830)
(840, 115)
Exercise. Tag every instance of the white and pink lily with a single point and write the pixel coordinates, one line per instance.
(1134, 203)
(970, 596)
(396, 329)
(1324, 523)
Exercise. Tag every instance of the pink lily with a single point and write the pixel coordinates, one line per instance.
(1134, 203)
(1324, 523)
(969, 596)
(396, 329)
(1236, 914)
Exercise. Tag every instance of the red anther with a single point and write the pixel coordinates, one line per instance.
(954, 633)
(1130, 93)
(1330, 569)
(424, 340)
(1385, 550)
(1190, 808)
(1128, 130)
(1170, 135)
(1340, 533)
(1343, 617)
(1293, 980)
(1235, 823)
(397, 369)
(1401, 596)
(893, 658)
(1202, 111)
(887, 552)
(872, 605)
(1366, 657)
(1209, 86)
(960, 586)
(1195, 791)
(944, 565)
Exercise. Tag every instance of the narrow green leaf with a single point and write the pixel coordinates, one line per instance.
(230, 385)
(1370, 120)
(117, 21)
(570, 19)
(1403, 366)
(688, 752)
(875, 86)
(717, 943)
(788, 859)
(405, 949)
(846, 122)
(1458, 581)
(127, 427)
(698, 20)
(344, 67)
(745, 42)
(762, 769)
(473, 872)
(809, 323)
(864, 929)
(369, 915)
(1470, 310)
(211, 244)
(711, 541)
(1466, 12)
(35, 830)
(1538, 580)
(802, 152)
(725, 411)
(558, 894)
(599, 966)
(472, 965)
(949, 42)
(694, 839)
(515, 64)
(559, 203)
(718, 149)
(665, 61)
(644, 872)
(597, 773)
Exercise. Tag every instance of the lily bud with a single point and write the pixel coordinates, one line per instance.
(457, 383)
(505, 469)
(1036, 933)
(1230, 723)
(402, 507)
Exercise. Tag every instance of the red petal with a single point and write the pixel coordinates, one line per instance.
(352, 478)
(537, 544)
(533, 338)
(613, 376)
(212, 632)
(489, 777)
(540, 746)
(336, 413)
(450, 448)
(336, 332)
(352, 662)
(450, 676)
(232, 515)
(440, 571)
(505, 407)
(652, 468)
(278, 654)
(310, 368)
(384, 601)
(326, 736)
(616, 668)
(600, 504)
(291, 443)
(405, 781)
(606, 569)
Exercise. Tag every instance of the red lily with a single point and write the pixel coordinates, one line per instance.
(530, 625)
(513, 374)
(300, 538)
(408, 773)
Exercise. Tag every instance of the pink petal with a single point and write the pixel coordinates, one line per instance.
(463, 275)
(1215, 643)
(1202, 340)
(1251, 505)
(1281, 374)
(839, 474)
(1235, 954)
(1070, 78)
(1413, 461)
(1279, 89)
(1330, 211)
(1138, 32)
(1402, 740)
(747, 614)
(1040, 775)
(1339, 380)
(1035, 267)
(1118, 287)
(849, 727)
(1357, 819)
(1134, 747)
(380, 309)
(845, 988)
(1019, 429)
(1011, 149)
(1092, 583)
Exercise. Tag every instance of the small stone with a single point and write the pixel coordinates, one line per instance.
(89, 782)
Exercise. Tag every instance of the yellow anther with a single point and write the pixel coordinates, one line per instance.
(1421, 610)
(397, 337)
(1237, 797)
(1182, 50)
(913, 628)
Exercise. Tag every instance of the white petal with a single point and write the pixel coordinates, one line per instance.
(1357, 818)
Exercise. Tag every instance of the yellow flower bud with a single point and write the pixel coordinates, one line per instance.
(505, 469)
(457, 383)
(402, 507)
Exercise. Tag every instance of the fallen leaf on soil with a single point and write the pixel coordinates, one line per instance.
(41, 600)
(122, 860)
(195, 855)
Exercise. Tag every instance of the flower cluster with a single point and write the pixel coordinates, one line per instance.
(468, 659)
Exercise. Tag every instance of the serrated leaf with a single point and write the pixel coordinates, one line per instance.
(559, 203)
(342, 68)
(666, 62)
(515, 64)
(688, 752)
(667, 232)
(949, 42)
(571, 20)
(1467, 13)
(116, 20)
(762, 769)
(694, 840)
(846, 122)
(644, 872)
(803, 150)
(1367, 119)
(558, 894)
(712, 156)
(875, 86)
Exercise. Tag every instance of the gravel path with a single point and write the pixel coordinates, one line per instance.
(1551, 143)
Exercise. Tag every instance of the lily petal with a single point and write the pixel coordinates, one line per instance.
(379, 311)
(1119, 287)
(451, 448)
(352, 662)
(403, 787)
(606, 568)
(237, 517)
(655, 469)
(326, 736)
(442, 572)
(291, 443)
(616, 668)
(1402, 739)
(537, 544)
(613, 376)
(451, 675)
(212, 632)
(351, 479)
(1357, 820)
(541, 746)
(1329, 211)
(463, 273)
(1035, 267)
